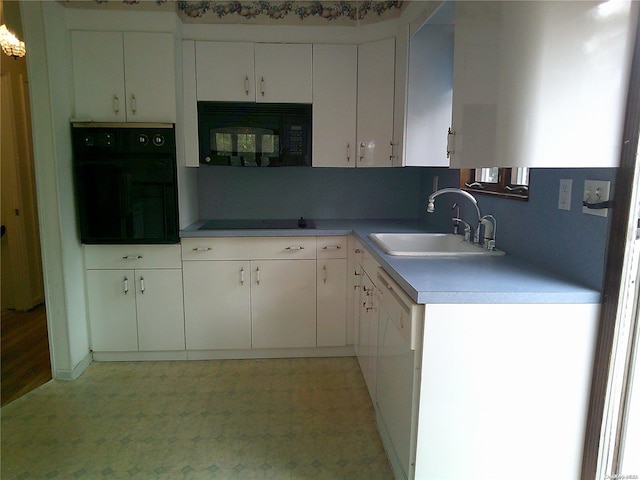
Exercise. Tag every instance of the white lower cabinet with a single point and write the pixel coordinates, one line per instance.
(264, 292)
(283, 304)
(112, 310)
(217, 304)
(367, 347)
(332, 287)
(135, 309)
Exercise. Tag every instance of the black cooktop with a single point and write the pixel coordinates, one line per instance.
(257, 224)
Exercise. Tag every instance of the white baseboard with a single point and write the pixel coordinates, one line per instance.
(346, 351)
(69, 375)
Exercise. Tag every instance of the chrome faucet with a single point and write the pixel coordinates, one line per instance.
(488, 222)
(471, 198)
(490, 228)
(456, 219)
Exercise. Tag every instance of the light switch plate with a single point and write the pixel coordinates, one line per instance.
(596, 191)
(564, 196)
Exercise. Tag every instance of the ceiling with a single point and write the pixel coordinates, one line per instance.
(269, 12)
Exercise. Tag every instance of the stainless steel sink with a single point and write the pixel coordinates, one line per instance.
(428, 244)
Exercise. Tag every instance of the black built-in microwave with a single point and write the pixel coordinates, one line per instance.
(254, 134)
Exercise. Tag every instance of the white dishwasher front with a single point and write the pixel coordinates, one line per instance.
(398, 374)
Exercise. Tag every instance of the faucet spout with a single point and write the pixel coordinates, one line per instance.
(471, 198)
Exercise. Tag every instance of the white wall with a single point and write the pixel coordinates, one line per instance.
(48, 68)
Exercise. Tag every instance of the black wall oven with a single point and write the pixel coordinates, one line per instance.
(125, 182)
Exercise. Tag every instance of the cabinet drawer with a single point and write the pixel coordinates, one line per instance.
(99, 257)
(248, 248)
(332, 247)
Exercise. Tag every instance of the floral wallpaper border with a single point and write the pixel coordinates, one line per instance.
(281, 12)
(277, 10)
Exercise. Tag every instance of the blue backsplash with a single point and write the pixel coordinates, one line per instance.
(569, 243)
(327, 193)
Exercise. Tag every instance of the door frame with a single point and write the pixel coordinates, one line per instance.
(618, 332)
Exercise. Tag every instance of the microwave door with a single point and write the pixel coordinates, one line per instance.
(243, 146)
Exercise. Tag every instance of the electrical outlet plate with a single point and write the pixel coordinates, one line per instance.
(596, 191)
(564, 195)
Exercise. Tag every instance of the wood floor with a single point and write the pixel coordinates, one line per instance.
(25, 352)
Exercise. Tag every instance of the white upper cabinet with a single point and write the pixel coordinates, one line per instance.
(98, 75)
(335, 83)
(430, 91)
(540, 84)
(376, 83)
(248, 72)
(283, 72)
(124, 76)
(225, 71)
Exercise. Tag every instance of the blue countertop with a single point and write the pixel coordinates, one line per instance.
(504, 279)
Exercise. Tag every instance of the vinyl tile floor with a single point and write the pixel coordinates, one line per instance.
(285, 419)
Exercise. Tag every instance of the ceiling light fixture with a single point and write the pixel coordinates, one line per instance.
(10, 43)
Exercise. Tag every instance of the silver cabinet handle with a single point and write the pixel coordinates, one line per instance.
(361, 151)
(134, 107)
(116, 104)
(246, 85)
(202, 249)
(126, 285)
(324, 274)
(257, 275)
(262, 86)
(142, 285)
(332, 247)
(299, 247)
(450, 135)
(393, 155)
(132, 257)
(242, 276)
(348, 152)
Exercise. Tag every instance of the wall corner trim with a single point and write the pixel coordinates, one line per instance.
(70, 375)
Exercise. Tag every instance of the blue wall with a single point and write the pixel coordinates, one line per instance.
(569, 243)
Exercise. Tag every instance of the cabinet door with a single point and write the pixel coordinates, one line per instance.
(150, 77)
(112, 310)
(376, 74)
(98, 76)
(283, 303)
(335, 83)
(429, 96)
(217, 304)
(332, 302)
(159, 307)
(283, 72)
(225, 71)
(368, 334)
(476, 84)
(534, 88)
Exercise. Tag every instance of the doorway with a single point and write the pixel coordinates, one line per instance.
(25, 349)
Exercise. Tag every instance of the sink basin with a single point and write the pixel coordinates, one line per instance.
(428, 244)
